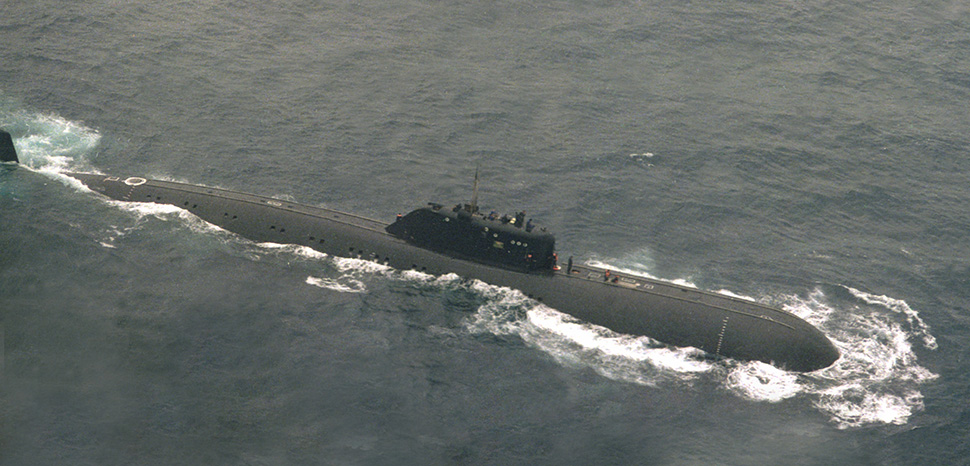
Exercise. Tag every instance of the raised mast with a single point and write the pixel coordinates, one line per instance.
(473, 207)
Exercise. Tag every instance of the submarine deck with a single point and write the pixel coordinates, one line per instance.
(589, 273)
(720, 301)
(585, 272)
(255, 199)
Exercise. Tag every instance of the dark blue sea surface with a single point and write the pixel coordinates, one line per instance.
(809, 155)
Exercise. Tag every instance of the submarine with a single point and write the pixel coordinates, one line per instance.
(504, 251)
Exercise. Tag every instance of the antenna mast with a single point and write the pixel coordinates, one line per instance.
(474, 204)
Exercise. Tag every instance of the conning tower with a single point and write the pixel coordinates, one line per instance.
(463, 232)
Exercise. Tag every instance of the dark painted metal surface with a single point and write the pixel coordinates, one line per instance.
(464, 232)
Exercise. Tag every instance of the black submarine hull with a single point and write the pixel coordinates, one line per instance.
(672, 314)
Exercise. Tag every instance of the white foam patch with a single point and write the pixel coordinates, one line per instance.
(414, 275)
(70, 181)
(345, 264)
(144, 210)
(763, 382)
(166, 212)
(899, 306)
(51, 143)
(877, 378)
(113, 235)
(353, 270)
(576, 343)
(736, 295)
(149, 209)
(618, 356)
(341, 284)
(643, 157)
(295, 249)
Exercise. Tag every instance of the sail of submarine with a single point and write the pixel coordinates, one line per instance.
(501, 251)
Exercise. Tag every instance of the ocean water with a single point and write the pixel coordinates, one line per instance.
(812, 156)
